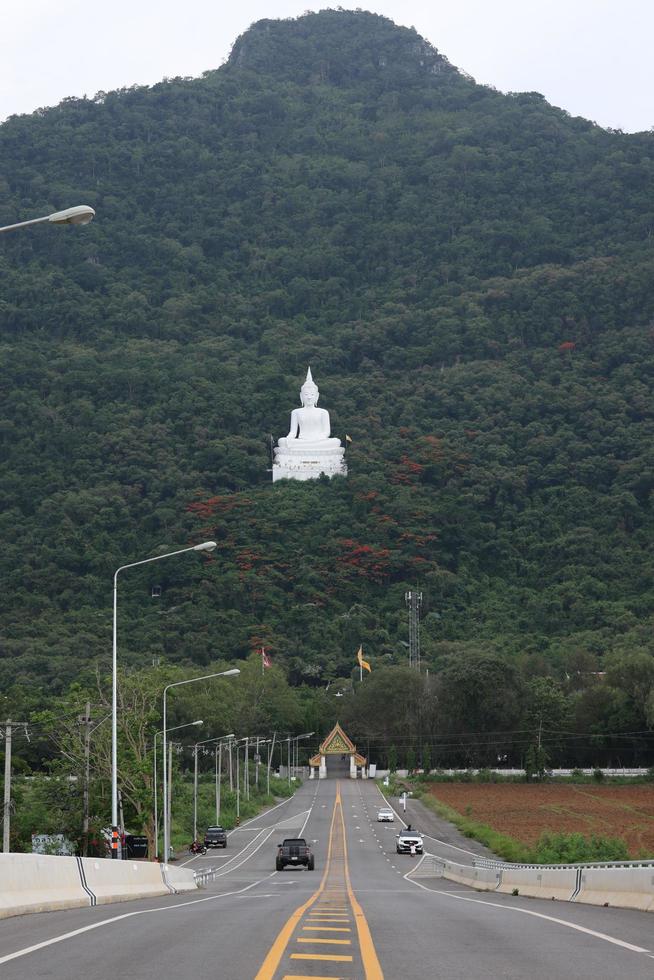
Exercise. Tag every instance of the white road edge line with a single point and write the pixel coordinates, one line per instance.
(126, 915)
(442, 842)
(243, 826)
(537, 915)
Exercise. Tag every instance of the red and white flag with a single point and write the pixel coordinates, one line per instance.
(265, 659)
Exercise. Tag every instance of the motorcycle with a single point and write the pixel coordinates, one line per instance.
(197, 847)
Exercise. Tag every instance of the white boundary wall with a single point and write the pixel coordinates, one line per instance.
(45, 883)
(626, 887)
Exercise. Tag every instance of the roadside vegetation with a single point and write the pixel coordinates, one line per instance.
(566, 821)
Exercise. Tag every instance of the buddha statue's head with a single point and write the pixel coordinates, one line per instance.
(309, 393)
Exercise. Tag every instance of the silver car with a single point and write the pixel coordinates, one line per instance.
(385, 815)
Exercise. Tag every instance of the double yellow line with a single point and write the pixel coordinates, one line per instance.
(330, 910)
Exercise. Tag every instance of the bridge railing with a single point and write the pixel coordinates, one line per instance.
(624, 884)
(479, 862)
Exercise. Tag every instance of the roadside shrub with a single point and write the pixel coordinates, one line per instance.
(598, 775)
(577, 775)
(575, 848)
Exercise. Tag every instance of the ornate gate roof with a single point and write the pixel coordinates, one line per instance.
(337, 743)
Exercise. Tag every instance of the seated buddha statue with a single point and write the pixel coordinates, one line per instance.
(309, 424)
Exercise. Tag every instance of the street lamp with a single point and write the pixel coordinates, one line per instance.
(192, 680)
(297, 748)
(189, 724)
(81, 214)
(220, 739)
(205, 546)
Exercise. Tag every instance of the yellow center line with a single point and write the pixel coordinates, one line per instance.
(325, 929)
(296, 976)
(324, 942)
(328, 904)
(336, 957)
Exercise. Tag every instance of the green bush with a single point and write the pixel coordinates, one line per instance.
(575, 848)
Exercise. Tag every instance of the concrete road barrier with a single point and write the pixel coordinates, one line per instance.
(557, 883)
(627, 888)
(120, 881)
(39, 883)
(46, 883)
(485, 879)
(181, 879)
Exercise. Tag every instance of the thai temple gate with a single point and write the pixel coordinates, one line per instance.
(337, 743)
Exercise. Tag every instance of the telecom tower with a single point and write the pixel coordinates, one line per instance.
(414, 602)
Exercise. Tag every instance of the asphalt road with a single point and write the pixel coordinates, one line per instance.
(355, 916)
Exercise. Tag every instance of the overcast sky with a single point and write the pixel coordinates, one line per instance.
(591, 57)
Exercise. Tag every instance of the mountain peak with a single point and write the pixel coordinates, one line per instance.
(336, 47)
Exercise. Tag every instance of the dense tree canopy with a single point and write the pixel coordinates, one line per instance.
(470, 276)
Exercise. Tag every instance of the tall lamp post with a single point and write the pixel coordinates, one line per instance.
(197, 745)
(189, 724)
(297, 749)
(81, 214)
(192, 680)
(205, 546)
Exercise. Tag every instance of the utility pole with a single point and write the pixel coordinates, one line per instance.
(219, 766)
(195, 793)
(270, 758)
(246, 773)
(238, 787)
(85, 719)
(167, 802)
(256, 764)
(6, 810)
(414, 602)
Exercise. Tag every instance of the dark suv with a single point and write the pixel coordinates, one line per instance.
(215, 837)
(294, 851)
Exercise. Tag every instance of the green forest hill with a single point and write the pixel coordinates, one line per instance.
(470, 276)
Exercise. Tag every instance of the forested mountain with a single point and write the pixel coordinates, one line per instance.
(470, 276)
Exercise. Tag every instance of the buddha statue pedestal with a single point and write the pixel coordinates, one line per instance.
(307, 460)
(308, 450)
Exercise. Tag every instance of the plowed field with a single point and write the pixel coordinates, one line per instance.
(524, 812)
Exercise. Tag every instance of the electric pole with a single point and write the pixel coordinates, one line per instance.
(414, 602)
(85, 720)
(6, 810)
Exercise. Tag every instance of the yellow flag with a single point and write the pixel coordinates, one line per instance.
(363, 663)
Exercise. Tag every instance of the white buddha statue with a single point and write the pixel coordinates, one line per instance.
(308, 450)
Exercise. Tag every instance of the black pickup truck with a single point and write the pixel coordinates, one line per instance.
(294, 851)
(215, 837)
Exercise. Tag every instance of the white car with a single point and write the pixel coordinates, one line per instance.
(385, 815)
(409, 841)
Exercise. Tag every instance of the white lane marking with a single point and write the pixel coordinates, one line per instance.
(126, 915)
(301, 834)
(243, 826)
(538, 915)
(442, 842)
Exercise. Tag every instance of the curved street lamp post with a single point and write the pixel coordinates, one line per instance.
(191, 680)
(189, 724)
(220, 739)
(205, 546)
(81, 214)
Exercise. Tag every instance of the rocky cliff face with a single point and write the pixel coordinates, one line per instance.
(337, 47)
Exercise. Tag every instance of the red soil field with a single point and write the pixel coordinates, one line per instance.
(524, 811)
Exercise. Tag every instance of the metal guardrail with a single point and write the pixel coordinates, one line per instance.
(202, 877)
(492, 864)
